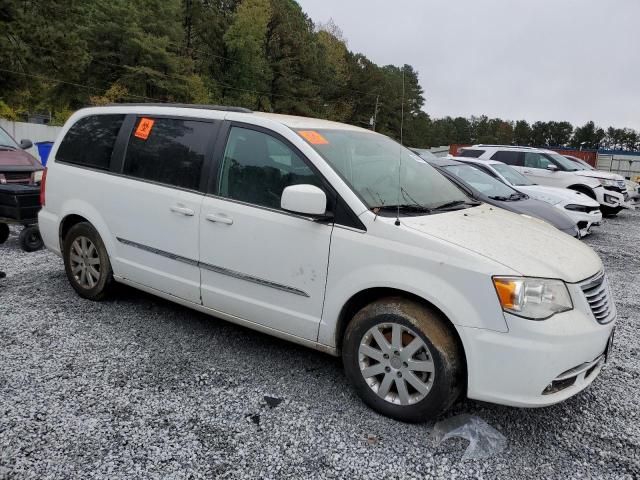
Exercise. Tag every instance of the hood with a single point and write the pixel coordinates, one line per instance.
(556, 195)
(17, 158)
(541, 210)
(525, 245)
(599, 174)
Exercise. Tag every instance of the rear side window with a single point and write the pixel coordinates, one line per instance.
(168, 150)
(508, 157)
(471, 153)
(89, 142)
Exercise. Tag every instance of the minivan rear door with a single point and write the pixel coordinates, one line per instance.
(154, 207)
(258, 262)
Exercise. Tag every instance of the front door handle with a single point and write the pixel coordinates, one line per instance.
(182, 210)
(219, 218)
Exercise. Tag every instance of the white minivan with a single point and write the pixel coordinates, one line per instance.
(334, 237)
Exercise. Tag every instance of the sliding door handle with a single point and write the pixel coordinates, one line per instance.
(219, 218)
(182, 210)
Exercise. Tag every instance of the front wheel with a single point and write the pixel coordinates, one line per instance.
(610, 211)
(403, 360)
(86, 262)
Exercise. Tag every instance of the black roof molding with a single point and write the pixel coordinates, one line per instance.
(222, 108)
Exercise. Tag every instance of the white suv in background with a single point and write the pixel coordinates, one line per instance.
(584, 210)
(333, 237)
(546, 167)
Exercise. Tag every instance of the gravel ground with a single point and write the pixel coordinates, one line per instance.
(136, 387)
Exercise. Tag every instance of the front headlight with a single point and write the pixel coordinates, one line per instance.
(533, 298)
(607, 182)
(37, 176)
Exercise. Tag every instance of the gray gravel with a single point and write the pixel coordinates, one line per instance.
(139, 387)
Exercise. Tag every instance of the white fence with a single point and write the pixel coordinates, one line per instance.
(31, 131)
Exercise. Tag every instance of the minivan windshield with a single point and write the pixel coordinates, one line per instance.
(382, 172)
(6, 140)
(513, 176)
(484, 183)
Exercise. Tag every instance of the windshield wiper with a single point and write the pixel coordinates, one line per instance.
(409, 207)
(500, 198)
(455, 203)
(8, 146)
(517, 196)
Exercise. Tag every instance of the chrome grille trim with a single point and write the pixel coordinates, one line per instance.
(597, 294)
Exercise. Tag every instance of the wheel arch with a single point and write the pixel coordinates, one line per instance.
(369, 295)
(583, 189)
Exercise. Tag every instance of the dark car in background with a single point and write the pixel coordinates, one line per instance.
(16, 165)
(483, 187)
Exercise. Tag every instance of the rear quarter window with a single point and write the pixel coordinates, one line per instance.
(508, 157)
(89, 142)
(471, 153)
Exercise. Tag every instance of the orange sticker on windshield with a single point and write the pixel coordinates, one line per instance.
(144, 128)
(313, 137)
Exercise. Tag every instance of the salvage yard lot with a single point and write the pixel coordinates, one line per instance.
(139, 387)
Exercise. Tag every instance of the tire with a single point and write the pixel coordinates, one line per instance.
(30, 239)
(85, 255)
(610, 211)
(443, 355)
(4, 232)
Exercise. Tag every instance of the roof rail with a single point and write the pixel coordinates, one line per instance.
(506, 146)
(222, 108)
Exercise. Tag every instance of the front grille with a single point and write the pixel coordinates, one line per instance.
(17, 177)
(596, 291)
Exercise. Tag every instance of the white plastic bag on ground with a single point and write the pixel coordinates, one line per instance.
(484, 440)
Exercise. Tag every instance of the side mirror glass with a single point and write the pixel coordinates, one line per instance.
(552, 168)
(304, 199)
(24, 144)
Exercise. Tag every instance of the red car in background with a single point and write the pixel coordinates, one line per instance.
(16, 165)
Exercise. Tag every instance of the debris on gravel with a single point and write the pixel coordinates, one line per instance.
(137, 387)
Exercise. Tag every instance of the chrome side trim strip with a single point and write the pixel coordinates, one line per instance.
(214, 268)
(162, 253)
(250, 278)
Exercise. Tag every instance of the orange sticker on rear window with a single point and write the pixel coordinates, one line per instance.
(313, 137)
(144, 128)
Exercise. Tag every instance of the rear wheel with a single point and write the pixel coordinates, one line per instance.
(4, 232)
(86, 262)
(403, 360)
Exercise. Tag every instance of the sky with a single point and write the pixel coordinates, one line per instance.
(574, 60)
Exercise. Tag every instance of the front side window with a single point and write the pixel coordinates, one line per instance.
(562, 162)
(257, 167)
(480, 181)
(536, 160)
(168, 150)
(513, 176)
(89, 142)
(380, 171)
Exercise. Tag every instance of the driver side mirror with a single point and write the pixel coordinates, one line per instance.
(24, 144)
(551, 167)
(304, 199)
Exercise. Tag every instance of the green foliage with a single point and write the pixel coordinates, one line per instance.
(7, 112)
(58, 56)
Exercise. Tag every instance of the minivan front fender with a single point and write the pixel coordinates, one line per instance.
(460, 288)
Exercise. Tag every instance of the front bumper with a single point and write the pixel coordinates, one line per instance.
(584, 220)
(517, 368)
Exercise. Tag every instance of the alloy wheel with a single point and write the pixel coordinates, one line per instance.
(396, 363)
(85, 262)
